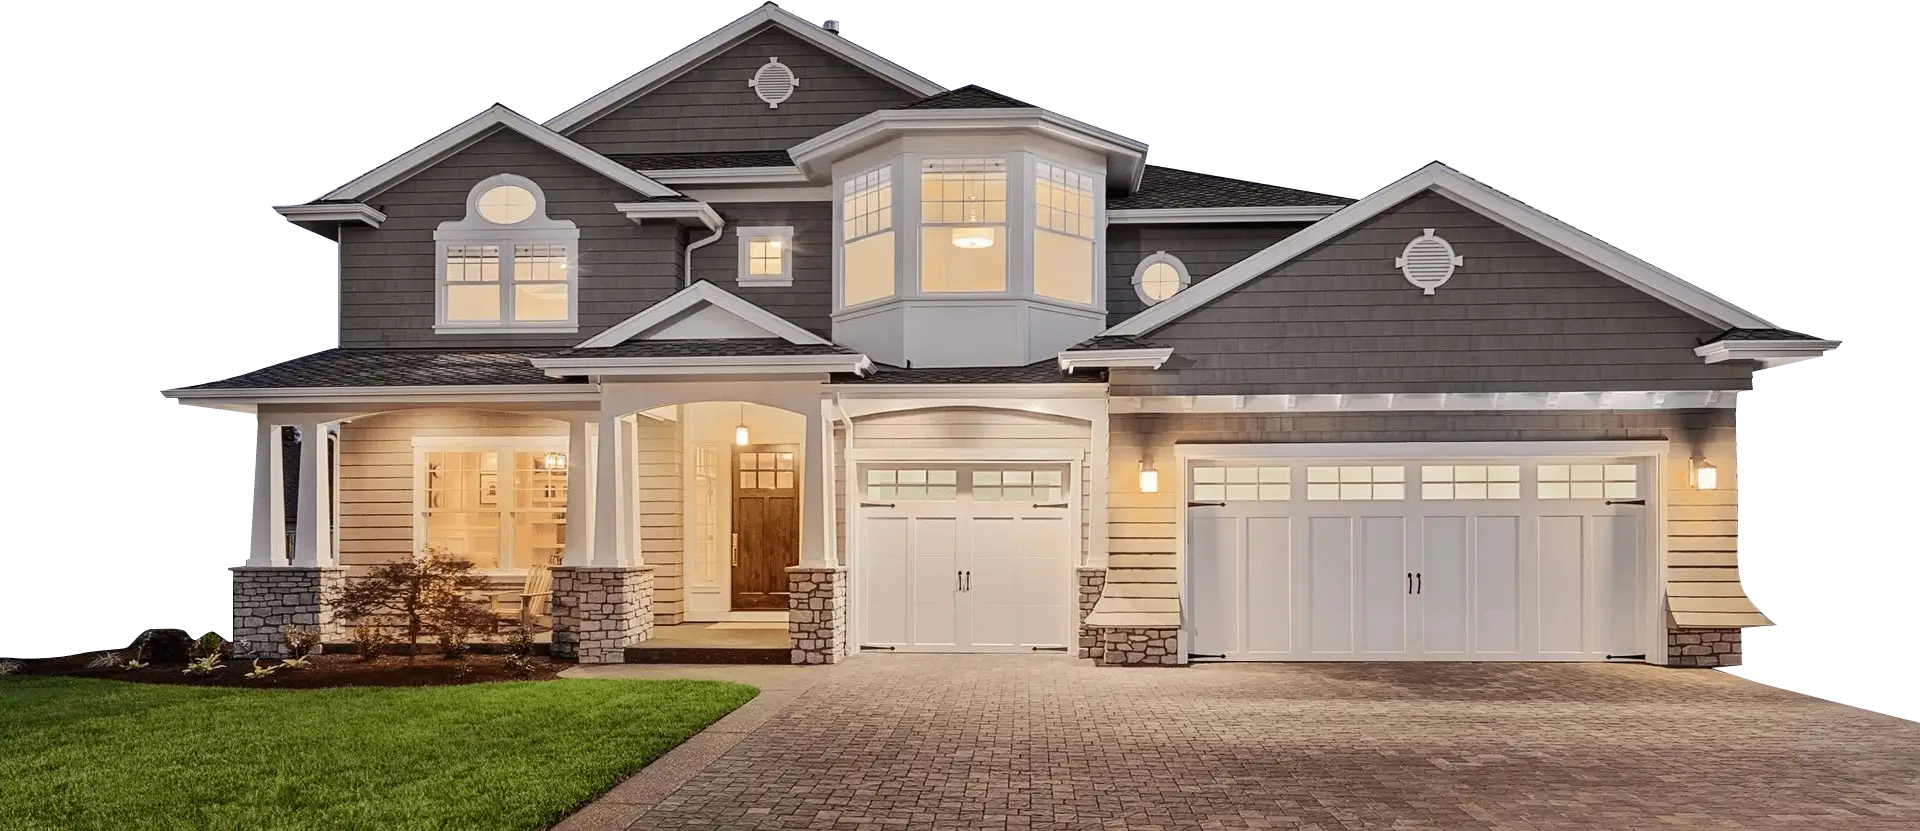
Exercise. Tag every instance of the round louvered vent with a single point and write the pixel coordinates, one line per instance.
(1428, 262)
(774, 83)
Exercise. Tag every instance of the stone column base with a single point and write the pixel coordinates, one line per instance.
(817, 614)
(599, 611)
(266, 598)
(1703, 647)
(1092, 581)
(1129, 646)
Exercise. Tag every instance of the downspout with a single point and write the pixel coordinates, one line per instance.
(719, 227)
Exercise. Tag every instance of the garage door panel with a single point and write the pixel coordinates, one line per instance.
(936, 558)
(1383, 592)
(1618, 584)
(1560, 585)
(1268, 597)
(886, 580)
(1496, 585)
(1217, 585)
(1444, 597)
(1330, 575)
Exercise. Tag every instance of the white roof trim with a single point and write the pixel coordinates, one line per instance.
(1498, 206)
(1126, 158)
(698, 51)
(643, 211)
(706, 365)
(685, 300)
(479, 126)
(1128, 358)
(337, 212)
(246, 400)
(1767, 353)
(785, 175)
(1428, 402)
(1170, 216)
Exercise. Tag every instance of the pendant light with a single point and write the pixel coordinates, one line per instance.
(740, 433)
(973, 238)
(555, 460)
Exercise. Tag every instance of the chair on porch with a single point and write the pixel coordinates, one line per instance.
(533, 600)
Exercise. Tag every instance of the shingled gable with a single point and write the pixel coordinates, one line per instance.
(703, 312)
(1480, 198)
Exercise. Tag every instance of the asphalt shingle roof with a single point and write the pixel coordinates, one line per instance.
(969, 97)
(393, 368)
(1758, 334)
(1104, 342)
(1166, 187)
(1044, 372)
(744, 347)
(705, 161)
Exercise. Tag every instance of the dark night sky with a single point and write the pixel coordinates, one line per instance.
(1721, 158)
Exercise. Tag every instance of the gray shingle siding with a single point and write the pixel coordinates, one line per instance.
(807, 303)
(710, 108)
(387, 274)
(1205, 249)
(1516, 317)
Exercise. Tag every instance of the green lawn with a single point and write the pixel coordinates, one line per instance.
(86, 754)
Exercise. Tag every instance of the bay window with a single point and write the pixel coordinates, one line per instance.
(963, 225)
(866, 218)
(1063, 233)
(506, 266)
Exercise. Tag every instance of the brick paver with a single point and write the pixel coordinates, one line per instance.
(1045, 742)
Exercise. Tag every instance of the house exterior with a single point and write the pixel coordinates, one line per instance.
(778, 330)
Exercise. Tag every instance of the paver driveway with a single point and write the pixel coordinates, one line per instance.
(1046, 742)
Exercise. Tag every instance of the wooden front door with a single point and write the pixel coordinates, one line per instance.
(766, 524)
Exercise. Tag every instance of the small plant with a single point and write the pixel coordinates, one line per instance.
(522, 666)
(9, 667)
(296, 663)
(211, 645)
(133, 665)
(453, 642)
(370, 640)
(519, 643)
(162, 647)
(105, 660)
(298, 641)
(260, 671)
(464, 670)
(204, 665)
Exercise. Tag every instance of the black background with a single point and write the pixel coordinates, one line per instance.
(1728, 158)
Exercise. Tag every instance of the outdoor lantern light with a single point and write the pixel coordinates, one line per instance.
(556, 461)
(1706, 477)
(1149, 479)
(740, 432)
(973, 237)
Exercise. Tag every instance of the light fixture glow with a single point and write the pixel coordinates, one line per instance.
(1706, 477)
(973, 237)
(555, 461)
(740, 432)
(1149, 479)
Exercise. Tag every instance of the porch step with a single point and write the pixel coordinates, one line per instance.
(688, 654)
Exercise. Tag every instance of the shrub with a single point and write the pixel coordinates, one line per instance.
(452, 644)
(519, 643)
(260, 671)
(522, 666)
(298, 641)
(432, 593)
(370, 640)
(211, 645)
(105, 660)
(9, 667)
(162, 647)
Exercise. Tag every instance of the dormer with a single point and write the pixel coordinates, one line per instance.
(969, 229)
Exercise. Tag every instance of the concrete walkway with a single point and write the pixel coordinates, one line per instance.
(1047, 742)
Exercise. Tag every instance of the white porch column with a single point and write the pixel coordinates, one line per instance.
(313, 533)
(609, 496)
(580, 481)
(269, 499)
(816, 527)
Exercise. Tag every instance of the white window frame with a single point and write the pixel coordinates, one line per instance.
(750, 234)
(1159, 258)
(892, 215)
(537, 229)
(505, 447)
(1009, 225)
(1093, 238)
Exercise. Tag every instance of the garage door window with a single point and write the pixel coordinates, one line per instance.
(914, 484)
(1357, 483)
(1242, 484)
(1467, 482)
(1589, 481)
(1018, 486)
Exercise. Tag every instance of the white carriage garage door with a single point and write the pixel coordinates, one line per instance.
(1528, 559)
(966, 558)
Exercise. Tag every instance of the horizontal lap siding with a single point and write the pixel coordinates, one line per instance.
(388, 274)
(1205, 250)
(1516, 316)
(657, 457)
(710, 108)
(807, 303)
(377, 476)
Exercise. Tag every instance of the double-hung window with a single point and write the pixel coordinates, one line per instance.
(963, 225)
(1063, 233)
(866, 237)
(507, 266)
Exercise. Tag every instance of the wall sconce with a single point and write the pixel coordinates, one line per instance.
(1149, 478)
(1706, 477)
(555, 461)
(740, 436)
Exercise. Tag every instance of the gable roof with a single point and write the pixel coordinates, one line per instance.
(478, 127)
(1476, 196)
(699, 51)
(1167, 187)
(969, 97)
(691, 299)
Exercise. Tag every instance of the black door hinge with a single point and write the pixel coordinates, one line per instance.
(1049, 649)
(887, 648)
(1195, 655)
(1626, 502)
(1206, 504)
(1640, 657)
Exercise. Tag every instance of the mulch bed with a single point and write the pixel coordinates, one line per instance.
(327, 671)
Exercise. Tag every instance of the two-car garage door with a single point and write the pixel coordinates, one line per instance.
(1417, 559)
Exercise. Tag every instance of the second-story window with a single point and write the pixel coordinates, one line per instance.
(507, 266)
(766, 256)
(1063, 231)
(963, 225)
(866, 237)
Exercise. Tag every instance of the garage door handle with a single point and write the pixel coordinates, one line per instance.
(1419, 583)
(959, 583)
(969, 581)
(1409, 582)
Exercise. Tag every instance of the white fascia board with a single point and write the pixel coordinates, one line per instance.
(784, 175)
(1125, 358)
(687, 299)
(1187, 216)
(960, 393)
(1126, 158)
(473, 129)
(1495, 205)
(706, 365)
(772, 193)
(698, 211)
(246, 399)
(1766, 353)
(337, 212)
(697, 52)
(1430, 402)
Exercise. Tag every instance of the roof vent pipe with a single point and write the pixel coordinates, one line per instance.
(832, 26)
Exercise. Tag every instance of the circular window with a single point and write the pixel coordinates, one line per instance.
(1159, 277)
(506, 204)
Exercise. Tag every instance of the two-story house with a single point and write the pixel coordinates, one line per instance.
(777, 330)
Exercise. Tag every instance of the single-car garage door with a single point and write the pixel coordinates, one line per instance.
(1531, 559)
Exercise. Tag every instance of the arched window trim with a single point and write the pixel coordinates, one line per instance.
(1157, 257)
(538, 229)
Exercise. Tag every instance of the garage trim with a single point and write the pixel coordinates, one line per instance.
(1654, 452)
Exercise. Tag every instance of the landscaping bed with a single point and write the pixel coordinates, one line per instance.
(327, 670)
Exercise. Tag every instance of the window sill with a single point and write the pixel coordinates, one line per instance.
(562, 329)
(783, 282)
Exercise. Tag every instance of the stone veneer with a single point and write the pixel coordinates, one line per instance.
(1703, 647)
(817, 614)
(268, 598)
(599, 611)
(1139, 646)
(1092, 581)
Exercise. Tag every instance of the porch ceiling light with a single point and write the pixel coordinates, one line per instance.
(740, 436)
(973, 237)
(555, 461)
(1149, 478)
(1706, 477)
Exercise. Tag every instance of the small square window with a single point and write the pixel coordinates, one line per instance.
(766, 256)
